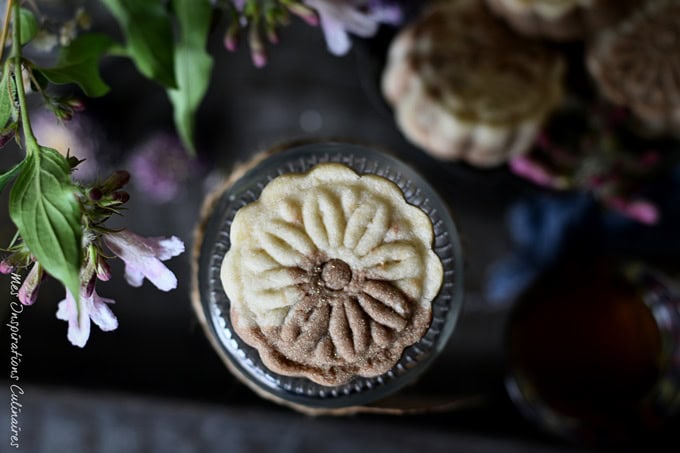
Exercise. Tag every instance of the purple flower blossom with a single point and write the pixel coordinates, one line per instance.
(359, 17)
(143, 257)
(160, 166)
(78, 316)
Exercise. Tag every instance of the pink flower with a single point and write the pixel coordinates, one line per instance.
(359, 17)
(641, 210)
(143, 257)
(91, 307)
(530, 170)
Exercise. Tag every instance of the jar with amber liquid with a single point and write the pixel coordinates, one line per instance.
(594, 354)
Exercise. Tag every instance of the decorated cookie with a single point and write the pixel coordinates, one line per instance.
(560, 19)
(464, 86)
(331, 275)
(637, 64)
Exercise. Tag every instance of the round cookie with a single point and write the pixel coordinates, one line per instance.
(637, 64)
(465, 87)
(331, 274)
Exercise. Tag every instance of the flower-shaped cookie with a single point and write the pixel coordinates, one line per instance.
(637, 64)
(331, 274)
(464, 86)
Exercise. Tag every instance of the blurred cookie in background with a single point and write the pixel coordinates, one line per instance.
(465, 87)
(560, 20)
(637, 64)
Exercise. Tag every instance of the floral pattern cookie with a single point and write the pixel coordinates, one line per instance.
(331, 275)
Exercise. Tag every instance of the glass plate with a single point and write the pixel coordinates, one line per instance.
(215, 304)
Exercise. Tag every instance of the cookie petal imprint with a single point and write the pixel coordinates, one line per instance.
(331, 275)
(637, 64)
(465, 87)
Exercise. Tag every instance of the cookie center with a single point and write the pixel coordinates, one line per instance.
(336, 274)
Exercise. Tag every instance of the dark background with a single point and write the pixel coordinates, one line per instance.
(155, 384)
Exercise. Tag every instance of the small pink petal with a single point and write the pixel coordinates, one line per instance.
(526, 168)
(143, 257)
(160, 275)
(165, 248)
(101, 314)
(643, 212)
(78, 320)
(92, 308)
(133, 276)
(337, 40)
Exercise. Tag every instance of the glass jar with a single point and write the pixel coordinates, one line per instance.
(594, 352)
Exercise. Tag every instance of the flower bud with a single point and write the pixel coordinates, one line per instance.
(121, 197)
(304, 12)
(75, 104)
(6, 267)
(257, 51)
(114, 182)
(64, 113)
(95, 194)
(89, 288)
(103, 269)
(231, 36)
(7, 135)
(28, 293)
(272, 36)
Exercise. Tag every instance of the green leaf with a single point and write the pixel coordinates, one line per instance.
(193, 65)
(7, 90)
(10, 174)
(148, 33)
(28, 26)
(44, 207)
(79, 63)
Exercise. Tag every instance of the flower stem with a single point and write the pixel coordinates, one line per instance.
(5, 28)
(29, 139)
